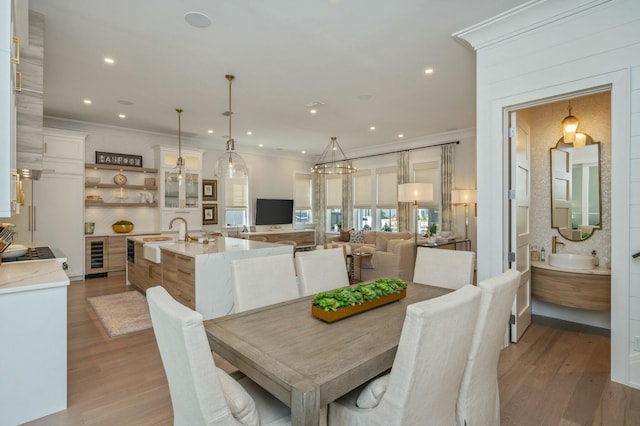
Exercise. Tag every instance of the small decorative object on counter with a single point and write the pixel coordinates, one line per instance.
(596, 260)
(535, 254)
(543, 256)
(122, 226)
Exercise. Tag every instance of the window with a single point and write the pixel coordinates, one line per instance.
(387, 199)
(334, 203)
(429, 212)
(236, 190)
(302, 201)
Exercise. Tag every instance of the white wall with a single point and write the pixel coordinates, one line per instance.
(550, 49)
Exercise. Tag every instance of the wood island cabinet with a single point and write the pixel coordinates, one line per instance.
(145, 273)
(303, 238)
(178, 277)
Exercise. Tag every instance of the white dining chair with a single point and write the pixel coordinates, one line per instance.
(202, 394)
(321, 270)
(444, 268)
(479, 399)
(264, 280)
(425, 378)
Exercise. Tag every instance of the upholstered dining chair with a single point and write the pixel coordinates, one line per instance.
(321, 270)
(202, 394)
(425, 378)
(264, 280)
(444, 268)
(479, 399)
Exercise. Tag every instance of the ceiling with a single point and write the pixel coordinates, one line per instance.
(363, 60)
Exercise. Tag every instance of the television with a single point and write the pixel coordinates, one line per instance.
(274, 212)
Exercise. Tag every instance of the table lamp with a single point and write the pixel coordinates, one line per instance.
(415, 193)
(466, 197)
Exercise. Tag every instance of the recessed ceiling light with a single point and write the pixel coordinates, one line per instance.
(428, 71)
(87, 101)
(122, 116)
(109, 61)
(313, 111)
(364, 96)
(197, 19)
(210, 131)
(400, 135)
(260, 145)
(372, 128)
(303, 152)
(249, 133)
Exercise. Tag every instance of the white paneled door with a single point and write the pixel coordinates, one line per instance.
(520, 223)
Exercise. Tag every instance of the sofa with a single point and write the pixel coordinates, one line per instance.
(393, 253)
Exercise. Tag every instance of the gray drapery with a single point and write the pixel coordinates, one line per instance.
(319, 201)
(447, 157)
(347, 201)
(404, 209)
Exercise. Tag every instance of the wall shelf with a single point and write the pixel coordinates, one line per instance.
(120, 168)
(114, 186)
(89, 203)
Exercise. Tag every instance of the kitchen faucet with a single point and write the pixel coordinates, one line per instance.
(186, 232)
(554, 243)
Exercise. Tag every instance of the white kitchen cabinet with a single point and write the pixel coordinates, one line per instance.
(53, 213)
(169, 192)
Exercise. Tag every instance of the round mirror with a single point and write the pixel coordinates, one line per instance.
(575, 189)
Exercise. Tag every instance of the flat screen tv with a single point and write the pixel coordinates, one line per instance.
(274, 212)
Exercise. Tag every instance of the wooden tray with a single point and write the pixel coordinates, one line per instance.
(347, 311)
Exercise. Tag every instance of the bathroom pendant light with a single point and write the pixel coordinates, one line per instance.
(569, 127)
(230, 163)
(175, 180)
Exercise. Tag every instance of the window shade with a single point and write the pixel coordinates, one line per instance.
(334, 192)
(387, 180)
(429, 173)
(236, 192)
(303, 192)
(362, 189)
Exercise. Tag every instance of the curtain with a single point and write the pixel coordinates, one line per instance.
(347, 201)
(404, 209)
(447, 184)
(319, 206)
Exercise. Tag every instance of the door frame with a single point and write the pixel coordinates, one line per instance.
(618, 84)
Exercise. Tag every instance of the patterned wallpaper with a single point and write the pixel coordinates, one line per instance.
(594, 115)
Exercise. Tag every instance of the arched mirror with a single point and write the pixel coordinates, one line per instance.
(576, 210)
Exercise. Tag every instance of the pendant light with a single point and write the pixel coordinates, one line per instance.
(333, 161)
(569, 127)
(176, 176)
(230, 164)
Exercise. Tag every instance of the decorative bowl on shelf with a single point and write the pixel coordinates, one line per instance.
(92, 180)
(122, 227)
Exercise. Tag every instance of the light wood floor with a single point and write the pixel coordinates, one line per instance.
(558, 374)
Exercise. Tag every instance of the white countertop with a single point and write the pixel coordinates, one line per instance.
(26, 276)
(218, 245)
(600, 270)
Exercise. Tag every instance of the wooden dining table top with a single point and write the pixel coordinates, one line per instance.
(305, 362)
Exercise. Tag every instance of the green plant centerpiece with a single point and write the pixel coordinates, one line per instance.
(343, 302)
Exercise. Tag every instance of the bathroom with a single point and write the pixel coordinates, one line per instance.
(593, 112)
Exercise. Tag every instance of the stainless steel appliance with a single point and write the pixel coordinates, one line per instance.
(41, 253)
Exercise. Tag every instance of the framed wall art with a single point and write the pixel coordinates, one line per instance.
(209, 190)
(209, 214)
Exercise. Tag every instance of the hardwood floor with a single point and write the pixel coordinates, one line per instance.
(558, 374)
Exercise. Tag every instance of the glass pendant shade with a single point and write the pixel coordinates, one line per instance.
(230, 164)
(175, 179)
(569, 127)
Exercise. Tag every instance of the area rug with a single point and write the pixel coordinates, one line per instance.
(122, 313)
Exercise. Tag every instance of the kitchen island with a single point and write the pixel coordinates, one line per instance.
(33, 337)
(197, 275)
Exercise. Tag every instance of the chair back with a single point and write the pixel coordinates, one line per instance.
(444, 268)
(196, 394)
(321, 270)
(262, 281)
(479, 400)
(424, 382)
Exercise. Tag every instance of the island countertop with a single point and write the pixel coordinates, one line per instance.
(26, 276)
(218, 245)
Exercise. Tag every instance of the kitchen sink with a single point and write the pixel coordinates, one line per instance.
(151, 250)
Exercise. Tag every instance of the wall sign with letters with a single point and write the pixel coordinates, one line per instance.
(118, 159)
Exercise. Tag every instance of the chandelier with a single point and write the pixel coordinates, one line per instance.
(333, 161)
(230, 163)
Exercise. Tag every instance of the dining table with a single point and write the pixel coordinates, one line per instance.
(305, 362)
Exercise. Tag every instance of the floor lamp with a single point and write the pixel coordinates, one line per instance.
(466, 197)
(415, 193)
